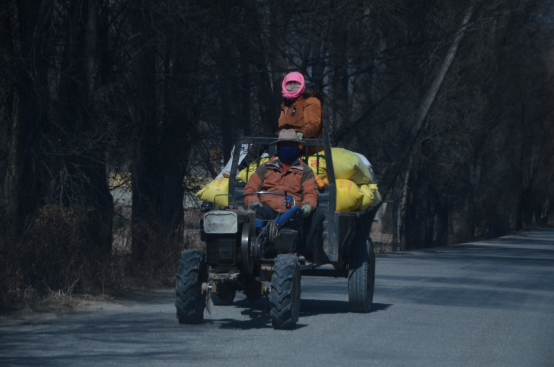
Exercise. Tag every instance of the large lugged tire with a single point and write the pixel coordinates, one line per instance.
(285, 292)
(223, 294)
(361, 276)
(191, 273)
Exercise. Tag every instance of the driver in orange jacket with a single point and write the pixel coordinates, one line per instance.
(287, 171)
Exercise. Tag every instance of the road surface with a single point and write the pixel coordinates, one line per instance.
(479, 304)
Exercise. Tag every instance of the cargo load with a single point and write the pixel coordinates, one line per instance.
(349, 196)
(378, 198)
(348, 166)
(355, 188)
(371, 196)
(218, 186)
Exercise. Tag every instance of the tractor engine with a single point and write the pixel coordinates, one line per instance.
(228, 236)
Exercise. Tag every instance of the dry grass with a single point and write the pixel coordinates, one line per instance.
(51, 268)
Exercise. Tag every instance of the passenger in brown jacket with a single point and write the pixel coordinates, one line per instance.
(301, 108)
(286, 171)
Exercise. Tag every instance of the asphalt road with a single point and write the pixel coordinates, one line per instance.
(480, 304)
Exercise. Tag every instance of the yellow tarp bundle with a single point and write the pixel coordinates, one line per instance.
(347, 165)
(251, 169)
(378, 198)
(371, 196)
(216, 187)
(349, 196)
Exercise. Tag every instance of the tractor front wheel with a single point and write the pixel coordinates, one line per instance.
(285, 292)
(190, 300)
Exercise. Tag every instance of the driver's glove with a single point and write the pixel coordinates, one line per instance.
(306, 210)
(254, 205)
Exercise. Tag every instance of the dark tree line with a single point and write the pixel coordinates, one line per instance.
(450, 101)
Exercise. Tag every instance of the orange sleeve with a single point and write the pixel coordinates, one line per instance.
(312, 118)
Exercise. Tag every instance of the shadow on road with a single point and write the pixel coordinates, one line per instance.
(312, 307)
(259, 319)
(379, 307)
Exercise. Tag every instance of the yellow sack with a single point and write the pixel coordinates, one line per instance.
(348, 165)
(216, 187)
(349, 196)
(371, 196)
(251, 169)
(378, 198)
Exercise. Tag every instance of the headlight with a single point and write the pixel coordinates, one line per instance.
(220, 221)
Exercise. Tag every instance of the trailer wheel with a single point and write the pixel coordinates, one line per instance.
(191, 273)
(223, 294)
(285, 292)
(361, 276)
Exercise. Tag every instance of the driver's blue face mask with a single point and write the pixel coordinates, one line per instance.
(287, 152)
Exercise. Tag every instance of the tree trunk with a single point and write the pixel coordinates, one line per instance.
(23, 186)
(166, 118)
(402, 207)
(442, 215)
(146, 174)
(227, 100)
(339, 57)
(277, 38)
(86, 183)
(267, 104)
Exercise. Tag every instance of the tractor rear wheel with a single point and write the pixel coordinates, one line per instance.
(361, 276)
(285, 292)
(190, 300)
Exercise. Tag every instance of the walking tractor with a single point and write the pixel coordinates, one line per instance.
(253, 256)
